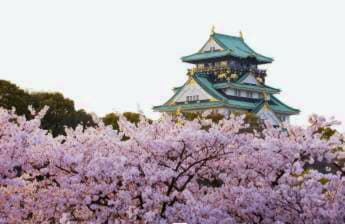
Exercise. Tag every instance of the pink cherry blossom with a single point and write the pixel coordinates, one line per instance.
(170, 170)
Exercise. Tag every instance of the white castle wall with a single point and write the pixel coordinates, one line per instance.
(191, 90)
(209, 44)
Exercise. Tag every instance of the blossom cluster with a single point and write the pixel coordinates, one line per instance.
(169, 170)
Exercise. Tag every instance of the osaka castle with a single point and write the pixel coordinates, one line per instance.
(226, 78)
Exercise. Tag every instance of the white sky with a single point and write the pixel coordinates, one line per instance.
(113, 55)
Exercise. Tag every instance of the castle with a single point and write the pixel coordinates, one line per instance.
(226, 78)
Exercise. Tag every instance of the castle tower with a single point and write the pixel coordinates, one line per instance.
(226, 78)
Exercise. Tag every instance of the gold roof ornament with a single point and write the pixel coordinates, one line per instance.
(212, 30)
(191, 82)
(266, 96)
(222, 76)
(213, 99)
(192, 71)
(241, 35)
(266, 107)
(259, 80)
(178, 111)
(233, 76)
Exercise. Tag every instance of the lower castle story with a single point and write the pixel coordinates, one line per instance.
(200, 93)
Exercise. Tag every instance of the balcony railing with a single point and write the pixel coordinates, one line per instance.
(226, 69)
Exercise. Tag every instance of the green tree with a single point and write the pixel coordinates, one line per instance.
(112, 119)
(61, 113)
(253, 121)
(132, 117)
(12, 96)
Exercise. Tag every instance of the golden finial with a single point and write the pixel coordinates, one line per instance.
(259, 79)
(212, 30)
(234, 76)
(222, 76)
(241, 35)
(178, 111)
(193, 71)
(212, 99)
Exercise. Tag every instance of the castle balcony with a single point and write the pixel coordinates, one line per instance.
(227, 69)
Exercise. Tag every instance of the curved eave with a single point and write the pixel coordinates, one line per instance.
(177, 88)
(176, 93)
(259, 57)
(256, 88)
(241, 49)
(189, 106)
(288, 109)
(277, 108)
(233, 46)
(197, 57)
(205, 56)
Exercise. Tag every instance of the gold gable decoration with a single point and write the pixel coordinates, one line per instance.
(234, 76)
(191, 71)
(212, 30)
(259, 79)
(191, 82)
(213, 99)
(178, 111)
(266, 96)
(241, 35)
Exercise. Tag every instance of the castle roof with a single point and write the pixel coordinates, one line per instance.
(231, 46)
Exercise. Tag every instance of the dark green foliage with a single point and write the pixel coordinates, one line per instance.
(12, 96)
(132, 117)
(61, 113)
(190, 116)
(327, 133)
(215, 117)
(250, 118)
(253, 121)
(111, 119)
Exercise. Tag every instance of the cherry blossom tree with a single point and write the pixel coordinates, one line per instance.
(169, 170)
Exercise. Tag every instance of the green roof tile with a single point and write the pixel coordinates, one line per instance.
(189, 106)
(233, 46)
(224, 101)
(247, 86)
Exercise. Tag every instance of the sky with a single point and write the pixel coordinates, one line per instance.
(120, 55)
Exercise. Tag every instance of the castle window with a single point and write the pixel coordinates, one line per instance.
(212, 48)
(249, 94)
(200, 65)
(237, 92)
(193, 98)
